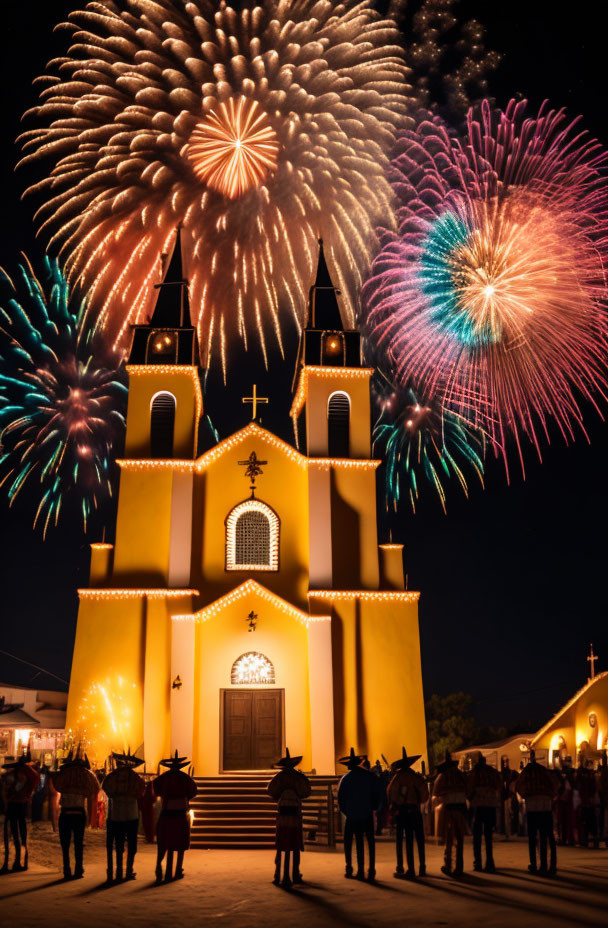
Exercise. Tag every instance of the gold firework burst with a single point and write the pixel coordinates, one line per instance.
(234, 148)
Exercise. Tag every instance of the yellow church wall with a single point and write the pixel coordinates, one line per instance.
(105, 703)
(223, 638)
(283, 486)
(354, 529)
(144, 383)
(141, 554)
(320, 384)
(157, 679)
(378, 695)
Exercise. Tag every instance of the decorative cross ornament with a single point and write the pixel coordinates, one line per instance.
(254, 399)
(592, 659)
(252, 619)
(254, 467)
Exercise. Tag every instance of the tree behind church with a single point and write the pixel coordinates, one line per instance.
(451, 725)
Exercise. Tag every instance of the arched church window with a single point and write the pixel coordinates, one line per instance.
(252, 667)
(162, 425)
(252, 537)
(338, 425)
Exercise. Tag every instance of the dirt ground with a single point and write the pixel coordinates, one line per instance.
(227, 888)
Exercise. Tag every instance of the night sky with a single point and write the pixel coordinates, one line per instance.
(512, 580)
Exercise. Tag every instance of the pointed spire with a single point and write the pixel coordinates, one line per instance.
(323, 278)
(323, 309)
(172, 309)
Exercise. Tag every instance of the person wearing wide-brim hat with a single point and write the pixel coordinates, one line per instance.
(358, 798)
(78, 787)
(18, 784)
(538, 786)
(175, 788)
(124, 789)
(484, 787)
(450, 788)
(406, 793)
(289, 787)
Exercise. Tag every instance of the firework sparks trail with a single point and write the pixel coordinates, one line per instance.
(422, 443)
(493, 294)
(138, 126)
(62, 399)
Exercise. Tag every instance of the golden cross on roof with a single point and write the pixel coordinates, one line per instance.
(254, 399)
(592, 659)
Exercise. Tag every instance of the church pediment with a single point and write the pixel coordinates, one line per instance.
(251, 431)
(252, 590)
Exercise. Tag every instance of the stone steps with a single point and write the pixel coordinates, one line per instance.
(235, 811)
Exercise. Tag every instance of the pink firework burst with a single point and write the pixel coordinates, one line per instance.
(493, 292)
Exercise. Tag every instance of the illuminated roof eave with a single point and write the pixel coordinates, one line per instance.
(252, 430)
(569, 704)
(351, 373)
(406, 596)
(134, 593)
(247, 588)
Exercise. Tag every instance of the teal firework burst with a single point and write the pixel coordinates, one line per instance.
(441, 281)
(421, 444)
(62, 398)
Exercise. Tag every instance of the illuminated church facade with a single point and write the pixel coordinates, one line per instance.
(246, 603)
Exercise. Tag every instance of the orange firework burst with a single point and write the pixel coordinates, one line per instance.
(234, 148)
(137, 130)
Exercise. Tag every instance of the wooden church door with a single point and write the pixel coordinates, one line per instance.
(253, 728)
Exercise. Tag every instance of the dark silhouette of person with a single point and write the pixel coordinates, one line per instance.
(508, 797)
(450, 788)
(41, 792)
(289, 787)
(175, 788)
(538, 787)
(385, 775)
(564, 805)
(406, 792)
(586, 786)
(484, 787)
(358, 797)
(124, 789)
(18, 784)
(78, 787)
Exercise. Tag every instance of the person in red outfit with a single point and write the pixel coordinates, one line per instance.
(289, 787)
(175, 788)
(18, 785)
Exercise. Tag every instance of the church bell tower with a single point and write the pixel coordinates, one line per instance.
(154, 520)
(331, 407)
(165, 401)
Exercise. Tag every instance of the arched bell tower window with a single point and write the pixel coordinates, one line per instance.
(162, 425)
(252, 667)
(338, 425)
(252, 537)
